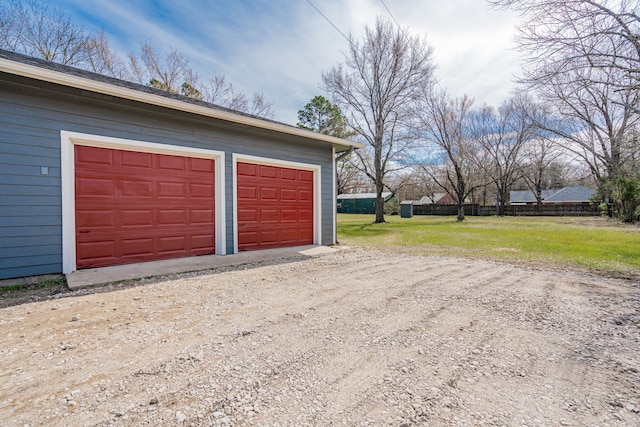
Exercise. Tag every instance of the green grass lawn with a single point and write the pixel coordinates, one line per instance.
(593, 243)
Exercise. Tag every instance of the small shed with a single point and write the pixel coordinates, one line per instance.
(406, 209)
(365, 203)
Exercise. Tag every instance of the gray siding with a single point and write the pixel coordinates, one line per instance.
(32, 114)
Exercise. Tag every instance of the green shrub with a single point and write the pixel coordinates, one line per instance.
(626, 197)
(604, 209)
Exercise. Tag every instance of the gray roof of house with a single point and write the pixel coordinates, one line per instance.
(527, 196)
(18, 64)
(78, 72)
(385, 195)
(430, 200)
(570, 194)
(563, 195)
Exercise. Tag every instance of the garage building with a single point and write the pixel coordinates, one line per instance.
(96, 171)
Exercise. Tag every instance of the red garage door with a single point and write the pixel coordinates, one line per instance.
(133, 206)
(275, 206)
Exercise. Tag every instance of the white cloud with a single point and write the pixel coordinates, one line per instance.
(281, 48)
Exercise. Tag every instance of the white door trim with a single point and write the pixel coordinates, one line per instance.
(67, 142)
(317, 190)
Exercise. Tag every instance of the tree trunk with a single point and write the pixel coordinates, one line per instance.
(460, 216)
(379, 206)
(377, 159)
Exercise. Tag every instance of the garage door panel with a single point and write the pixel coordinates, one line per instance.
(288, 174)
(137, 218)
(138, 188)
(172, 217)
(201, 190)
(202, 216)
(306, 234)
(268, 216)
(288, 215)
(98, 156)
(96, 187)
(247, 169)
(248, 216)
(247, 192)
(201, 165)
(137, 247)
(148, 214)
(136, 160)
(171, 163)
(267, 194)
(171, 190)
(275, 193)
(288, 194)
(95, 219)
(172, 244)
(305, 216)
(269, 237)
(289, 235)
(268, 172)
(247, 237)
(202, 242)
(97, 250)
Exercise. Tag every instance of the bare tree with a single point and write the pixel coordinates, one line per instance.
(544, 162)
(584, 60)
(8, 26)
(377, 88)
(161, 70)
(260, 106)
(412, 183)
(35, 28)
(540, 159)
(569, 35)
(217, 90)
(102, 60)
(220, 91)
(598, 124)
(454, 164)
(501, 134)
(170, 71)
(348, 177)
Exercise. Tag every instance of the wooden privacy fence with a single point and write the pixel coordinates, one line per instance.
(577, 209)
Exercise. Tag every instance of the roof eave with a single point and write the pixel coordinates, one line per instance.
(56, 77)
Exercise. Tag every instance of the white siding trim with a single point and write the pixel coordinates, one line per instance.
(335, 197)
(67, 142)
(317, 191)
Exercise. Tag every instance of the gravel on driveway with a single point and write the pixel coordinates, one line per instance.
(354, 338)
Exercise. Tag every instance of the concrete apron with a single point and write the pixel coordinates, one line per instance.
(100, 276)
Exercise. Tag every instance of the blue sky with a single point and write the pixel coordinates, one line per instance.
(281, 47)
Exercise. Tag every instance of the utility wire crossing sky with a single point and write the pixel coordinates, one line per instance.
(280, 48)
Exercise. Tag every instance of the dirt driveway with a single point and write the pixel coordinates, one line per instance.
(351, 338)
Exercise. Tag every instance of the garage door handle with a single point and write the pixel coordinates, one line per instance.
(84, 231)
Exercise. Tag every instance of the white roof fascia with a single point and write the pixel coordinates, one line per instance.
(51, 76)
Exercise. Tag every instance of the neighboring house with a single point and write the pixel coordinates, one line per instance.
(365, 203)
(567, 195)
(96, 171)
(436, 199)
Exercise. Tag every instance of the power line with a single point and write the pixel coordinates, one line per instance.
(329, 21)
(391, 15)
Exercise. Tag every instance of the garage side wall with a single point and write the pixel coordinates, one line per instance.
(32, 116)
